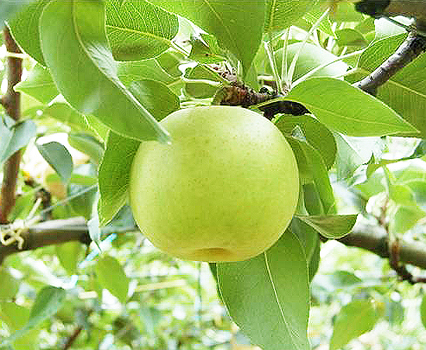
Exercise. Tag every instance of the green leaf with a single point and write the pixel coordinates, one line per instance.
(350, 37)
(345, 12)
(331, 226)
(405, 92)
(311, 163)
(112, 277)
(316, 134)
(268, 296)
(114, 171)
(314, 14)
(237, 27)
(114, 175)
(13, 137)
(77, 179)
(205, 49)
(311, 56)
(206, 87)
(423, 311)
(77, 29)
(58, 157)
(69, 255)
(16, 316)
(307, 235)
(46, 304)
(9, 284)
(405, 217)
(354, 319)
(39, 85)
(156, 97)
(60, 110)
(355, 151)
(281, 14)
(87, 144)
(346, 109)
(25, 30)
(142, 70)
(138, 30)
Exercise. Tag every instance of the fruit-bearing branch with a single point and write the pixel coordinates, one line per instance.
(368, 237)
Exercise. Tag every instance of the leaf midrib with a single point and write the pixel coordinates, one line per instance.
(146, 34)
(289, 330)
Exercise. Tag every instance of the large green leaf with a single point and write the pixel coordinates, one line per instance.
(354, 319)
(348, 110)
(86, 73)
(268, 296)
(115, 167)
(238, 26)
(25, 30)
(281, 14)
(138, 30)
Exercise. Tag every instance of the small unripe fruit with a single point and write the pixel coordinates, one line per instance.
(225, 189)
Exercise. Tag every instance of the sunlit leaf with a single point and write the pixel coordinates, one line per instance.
(24, 27)
(138, 30)
(39, 85)
(112, 277)
(87, 74)
(281, 14)
(238, 26)
(348, 110)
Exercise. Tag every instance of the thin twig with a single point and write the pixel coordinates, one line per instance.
(72, 338)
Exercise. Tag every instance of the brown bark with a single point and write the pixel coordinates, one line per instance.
(11, 103)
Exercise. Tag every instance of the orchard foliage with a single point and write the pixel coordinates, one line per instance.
(98, 78)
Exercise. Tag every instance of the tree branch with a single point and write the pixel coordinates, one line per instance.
(48, 233)
(11, 102)
(410, 49)
(375, 240)
(368, 237)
